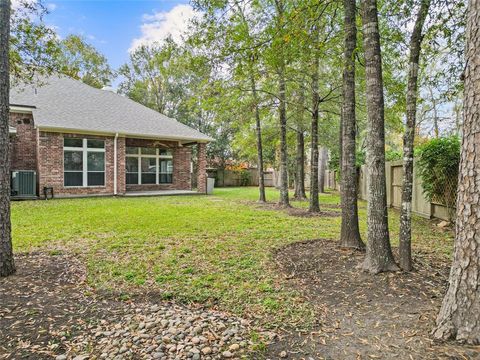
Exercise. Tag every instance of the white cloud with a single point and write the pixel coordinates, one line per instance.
(51, 6)
(158, 26)
(18, 4)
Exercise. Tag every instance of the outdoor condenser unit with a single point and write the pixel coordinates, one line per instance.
(24, 183)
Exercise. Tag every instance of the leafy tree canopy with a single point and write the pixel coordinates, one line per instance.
(36, 50)
(82, 61)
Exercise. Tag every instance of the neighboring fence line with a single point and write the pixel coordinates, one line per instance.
(394, 178)
(246, 177)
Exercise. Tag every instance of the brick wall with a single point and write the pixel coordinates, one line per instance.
(50, 165)
(181, 176)
(23, 144)
(121, 166)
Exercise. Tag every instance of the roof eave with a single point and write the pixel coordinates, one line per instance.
(22, 109)
(205, 139)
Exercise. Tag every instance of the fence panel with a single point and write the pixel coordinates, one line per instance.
(420, 204)
(397, 179)
(225, 177)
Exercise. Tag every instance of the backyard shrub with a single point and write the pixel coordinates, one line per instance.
(244, 177)
(438, 161)
(393, 155)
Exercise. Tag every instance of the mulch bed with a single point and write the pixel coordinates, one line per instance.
(363, 316)
(40, 305)
(45, 304)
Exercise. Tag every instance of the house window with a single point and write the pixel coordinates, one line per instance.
(148, 166)
(83, 162)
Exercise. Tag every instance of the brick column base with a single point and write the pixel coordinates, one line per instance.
(121, 180)
(201, 168)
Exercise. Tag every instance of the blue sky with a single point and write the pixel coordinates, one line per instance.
(114, 27)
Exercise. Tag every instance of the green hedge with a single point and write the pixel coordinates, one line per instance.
(438, 162)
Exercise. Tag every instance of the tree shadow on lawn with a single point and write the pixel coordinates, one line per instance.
(363, 316)
(298, 211)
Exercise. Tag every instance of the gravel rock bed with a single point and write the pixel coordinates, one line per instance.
(47, 311)
(165, 332)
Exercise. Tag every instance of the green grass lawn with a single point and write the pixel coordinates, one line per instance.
(214, 250)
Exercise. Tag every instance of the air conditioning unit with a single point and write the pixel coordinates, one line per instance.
(24, 183)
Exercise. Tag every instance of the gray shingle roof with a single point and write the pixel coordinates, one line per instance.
(68, 104)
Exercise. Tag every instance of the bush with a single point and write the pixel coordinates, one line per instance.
(393, 155)
(244, 177)
(438, 161)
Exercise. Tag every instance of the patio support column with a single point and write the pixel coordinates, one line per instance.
(121, 187)
(201, 168)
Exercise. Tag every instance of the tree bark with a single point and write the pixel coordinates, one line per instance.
(405, 240)
(284, 200)
(458, 118)
(459, 316)
(350, 233)
(436, 130)
(258, 130)
(322, 166)
(314, 206)
(379, 255)
(300, 167)
(7, 264)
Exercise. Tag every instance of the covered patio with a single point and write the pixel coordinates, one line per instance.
(161, 193)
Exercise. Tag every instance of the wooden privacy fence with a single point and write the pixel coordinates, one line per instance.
(246, 177)
(437, 208)
(420, 204)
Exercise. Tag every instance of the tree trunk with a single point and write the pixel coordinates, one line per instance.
(436, 130)
(405, 248)
(282, 110)
(300, 151)
(350, 233)
(7, 264)
(322, 167)
(314, 206)
(459, 316)
(258, 129)
(379, 255)
(284, 201)
(300, 168)
(458, 117)
(340, 148)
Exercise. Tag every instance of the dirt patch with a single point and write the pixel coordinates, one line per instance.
(304, 213)
(331, 206)
(43, 303)
(361, 316)
(297, 212)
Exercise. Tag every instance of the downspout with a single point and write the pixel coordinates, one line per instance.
(115, 162)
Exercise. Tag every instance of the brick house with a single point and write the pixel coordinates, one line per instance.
(84, 141)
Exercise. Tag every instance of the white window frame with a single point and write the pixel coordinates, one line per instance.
(85, 150)
(157, 158)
